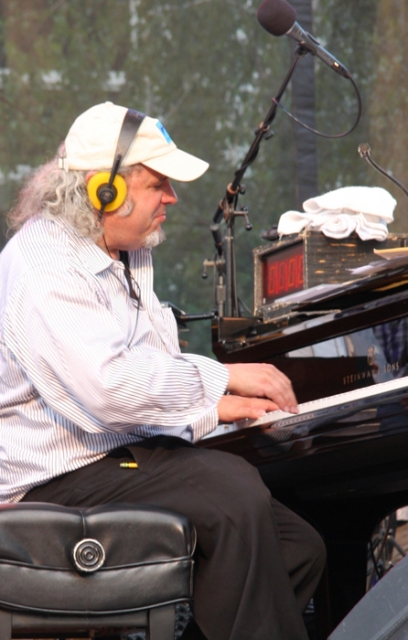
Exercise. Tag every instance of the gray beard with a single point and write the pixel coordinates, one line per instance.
(154, 238)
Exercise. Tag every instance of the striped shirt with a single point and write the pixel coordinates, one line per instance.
(84, 368)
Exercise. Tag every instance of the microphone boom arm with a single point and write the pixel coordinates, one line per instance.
(227, 207)
(233, 188)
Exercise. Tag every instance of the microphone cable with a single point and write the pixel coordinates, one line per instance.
(320, 133)
(364, 151)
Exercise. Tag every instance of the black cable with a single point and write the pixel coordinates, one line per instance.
(375, 565)
(319, 133)
(234, 283)
(245, 306)
(381, 543)
(364, 151)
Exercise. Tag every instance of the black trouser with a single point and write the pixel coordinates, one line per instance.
(258, 563)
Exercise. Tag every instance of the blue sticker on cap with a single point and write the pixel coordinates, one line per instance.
(164, 132)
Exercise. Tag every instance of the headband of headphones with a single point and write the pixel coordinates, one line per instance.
(108, 192)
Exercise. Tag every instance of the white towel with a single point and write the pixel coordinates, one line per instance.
(338, 213)
(334, 225)
(292, 222)
(372, 200)
(370, 227)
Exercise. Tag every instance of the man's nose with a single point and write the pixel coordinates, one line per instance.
(169, 195)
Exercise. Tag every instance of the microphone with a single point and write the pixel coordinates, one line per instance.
(278, 17)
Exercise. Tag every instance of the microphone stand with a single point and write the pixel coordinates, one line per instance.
(226, 293)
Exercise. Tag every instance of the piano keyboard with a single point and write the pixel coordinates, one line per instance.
(331, 405)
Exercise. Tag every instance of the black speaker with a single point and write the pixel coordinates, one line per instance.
(383, 612)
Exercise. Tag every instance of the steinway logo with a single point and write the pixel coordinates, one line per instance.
(374, 369)
(355, 377)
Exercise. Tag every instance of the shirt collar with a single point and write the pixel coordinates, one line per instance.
(87, 251)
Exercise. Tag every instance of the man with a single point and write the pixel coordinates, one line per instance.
(92, 375)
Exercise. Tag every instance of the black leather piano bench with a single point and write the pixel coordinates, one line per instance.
(115, 570)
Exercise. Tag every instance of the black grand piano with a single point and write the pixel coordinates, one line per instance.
(342, 463)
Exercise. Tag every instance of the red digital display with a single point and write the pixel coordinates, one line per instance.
(282, 273)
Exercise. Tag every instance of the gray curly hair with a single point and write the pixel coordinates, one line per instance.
(53, 192)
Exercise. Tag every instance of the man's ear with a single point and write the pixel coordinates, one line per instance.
(89, 175)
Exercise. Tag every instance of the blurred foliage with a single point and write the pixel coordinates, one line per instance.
(208, 71)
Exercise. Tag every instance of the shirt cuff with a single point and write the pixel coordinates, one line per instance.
(204, 425)
(214, 375)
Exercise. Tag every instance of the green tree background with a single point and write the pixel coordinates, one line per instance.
(208, 70)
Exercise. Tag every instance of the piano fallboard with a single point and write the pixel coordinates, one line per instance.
(324, 356)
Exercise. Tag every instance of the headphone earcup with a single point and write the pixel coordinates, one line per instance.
(101, 180)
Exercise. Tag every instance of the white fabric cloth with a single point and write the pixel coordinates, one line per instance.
(82, 369)
(365, 210)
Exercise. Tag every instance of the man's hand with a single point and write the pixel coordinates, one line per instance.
(232, 408)
(258, 380)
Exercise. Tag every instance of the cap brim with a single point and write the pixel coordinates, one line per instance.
(178, 165)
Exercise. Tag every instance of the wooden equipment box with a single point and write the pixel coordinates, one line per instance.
(308, 259)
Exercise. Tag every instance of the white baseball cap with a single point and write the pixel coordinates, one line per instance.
(92, 139)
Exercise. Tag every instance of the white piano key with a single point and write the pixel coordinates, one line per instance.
(312, 409)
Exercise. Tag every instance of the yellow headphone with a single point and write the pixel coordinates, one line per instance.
(108, 191)
(99, 191)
